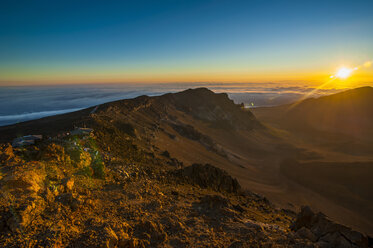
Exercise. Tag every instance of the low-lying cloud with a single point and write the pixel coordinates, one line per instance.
(19, 104)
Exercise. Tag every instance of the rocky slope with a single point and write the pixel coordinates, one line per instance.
(338, 128)
(152, 175)
(346, 113)
(52, 198)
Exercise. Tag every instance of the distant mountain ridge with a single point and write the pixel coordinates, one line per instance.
(201, 103)
(349, 112)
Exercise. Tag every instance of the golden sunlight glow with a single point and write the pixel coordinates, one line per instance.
(337, 80)
(343, 73)
(367, 64)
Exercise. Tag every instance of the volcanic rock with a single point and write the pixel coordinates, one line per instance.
(68, 183)
(208, 176)
(326, 230)
(6, 153)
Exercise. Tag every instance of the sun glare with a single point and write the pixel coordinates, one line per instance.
(343, 73)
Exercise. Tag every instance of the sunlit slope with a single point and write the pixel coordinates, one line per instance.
(198, 126)
(341, 121)
(339, 128)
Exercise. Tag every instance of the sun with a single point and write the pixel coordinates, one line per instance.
(343, 73)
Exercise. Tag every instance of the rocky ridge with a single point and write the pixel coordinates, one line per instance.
(117, 188)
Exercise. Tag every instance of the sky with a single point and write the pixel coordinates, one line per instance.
(74, 42)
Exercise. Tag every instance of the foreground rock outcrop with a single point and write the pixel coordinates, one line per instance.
(208, 176)
(53, 202)
(317, 228)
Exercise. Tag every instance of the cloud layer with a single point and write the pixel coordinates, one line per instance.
(19, 104)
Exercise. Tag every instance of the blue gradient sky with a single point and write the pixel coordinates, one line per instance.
(181, 41)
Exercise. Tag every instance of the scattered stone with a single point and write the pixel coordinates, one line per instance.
(29, 180)
(148, 230)
(24, 215)
(68, 199)
(111, 238)
(238, 244)
(176, 163)
(214, 201)
(239, 208)
(7, 155)
(306, 233)
(259, 226)
(49, 196)
(68, 183)
(56, 153)
(84, 160)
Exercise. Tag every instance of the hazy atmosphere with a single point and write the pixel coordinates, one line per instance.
(177, 124)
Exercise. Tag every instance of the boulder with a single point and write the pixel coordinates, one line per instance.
(317, 226)
(208, 176)
(216, 207)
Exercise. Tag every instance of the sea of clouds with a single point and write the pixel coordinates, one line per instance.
(23, 103)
